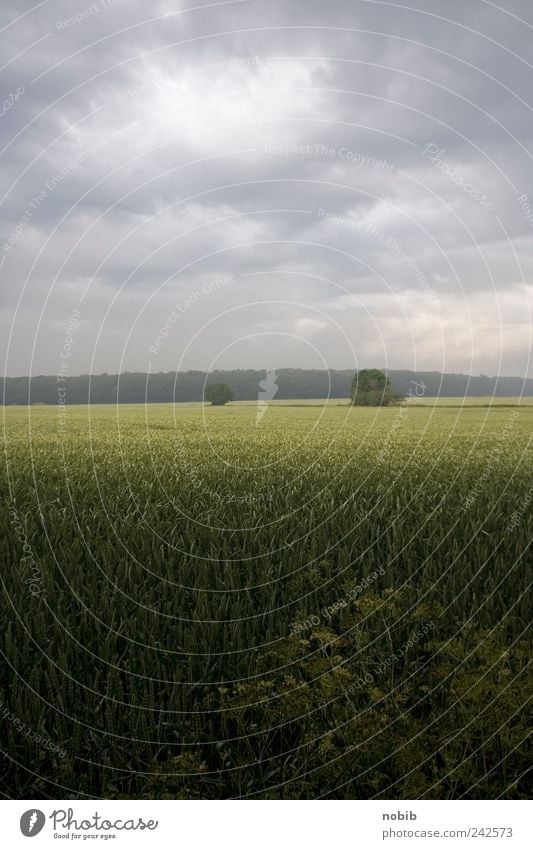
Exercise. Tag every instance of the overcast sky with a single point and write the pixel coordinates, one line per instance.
(266, 184)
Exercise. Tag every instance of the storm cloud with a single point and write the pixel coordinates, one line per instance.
(277, 184)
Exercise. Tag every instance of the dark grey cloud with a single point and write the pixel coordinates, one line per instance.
(360, 173)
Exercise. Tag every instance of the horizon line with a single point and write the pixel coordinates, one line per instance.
(278, 370)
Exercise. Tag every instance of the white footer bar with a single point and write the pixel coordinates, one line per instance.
(274, 825)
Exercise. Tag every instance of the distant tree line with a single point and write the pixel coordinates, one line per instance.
(133, 387)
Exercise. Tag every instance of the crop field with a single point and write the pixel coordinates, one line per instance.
(295, 602)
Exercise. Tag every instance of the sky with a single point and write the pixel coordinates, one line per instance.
(251, 184)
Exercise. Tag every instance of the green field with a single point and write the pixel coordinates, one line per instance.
(442, 401)
(328, 602)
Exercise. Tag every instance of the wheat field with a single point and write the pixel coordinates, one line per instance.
(308, 601)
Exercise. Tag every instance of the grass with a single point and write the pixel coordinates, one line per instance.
(425, 401)
(331, 601)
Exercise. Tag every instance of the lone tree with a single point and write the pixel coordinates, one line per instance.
(371, 388)
(218, 394)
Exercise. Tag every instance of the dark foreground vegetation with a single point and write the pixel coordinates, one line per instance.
(323, 603)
